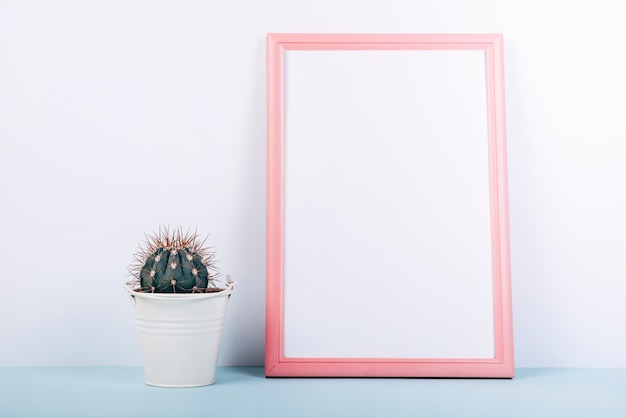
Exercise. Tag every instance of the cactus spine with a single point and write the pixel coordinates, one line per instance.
(174, 262)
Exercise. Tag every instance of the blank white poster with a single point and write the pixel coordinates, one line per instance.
(387, 206)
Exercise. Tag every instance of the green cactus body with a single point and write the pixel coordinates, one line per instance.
(176, 270)
(175, 264)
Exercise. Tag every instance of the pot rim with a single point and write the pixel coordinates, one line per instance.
(230, 286)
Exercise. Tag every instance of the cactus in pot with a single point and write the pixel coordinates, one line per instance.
(179, 308)
(174, 262)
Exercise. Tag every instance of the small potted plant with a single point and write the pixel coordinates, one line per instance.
(180, 308)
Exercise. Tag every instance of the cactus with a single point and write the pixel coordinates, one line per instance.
(174, 262)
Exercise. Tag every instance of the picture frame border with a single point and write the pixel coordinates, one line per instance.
(276, 364)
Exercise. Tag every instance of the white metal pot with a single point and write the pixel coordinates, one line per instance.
(180, 335)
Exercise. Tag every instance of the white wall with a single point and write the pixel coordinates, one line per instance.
(118, 116)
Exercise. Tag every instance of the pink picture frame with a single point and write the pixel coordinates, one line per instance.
(298, 344)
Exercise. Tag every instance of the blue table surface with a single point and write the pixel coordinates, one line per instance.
(244, 392)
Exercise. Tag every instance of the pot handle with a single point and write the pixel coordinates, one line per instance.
(230, 283)
(131, 297)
